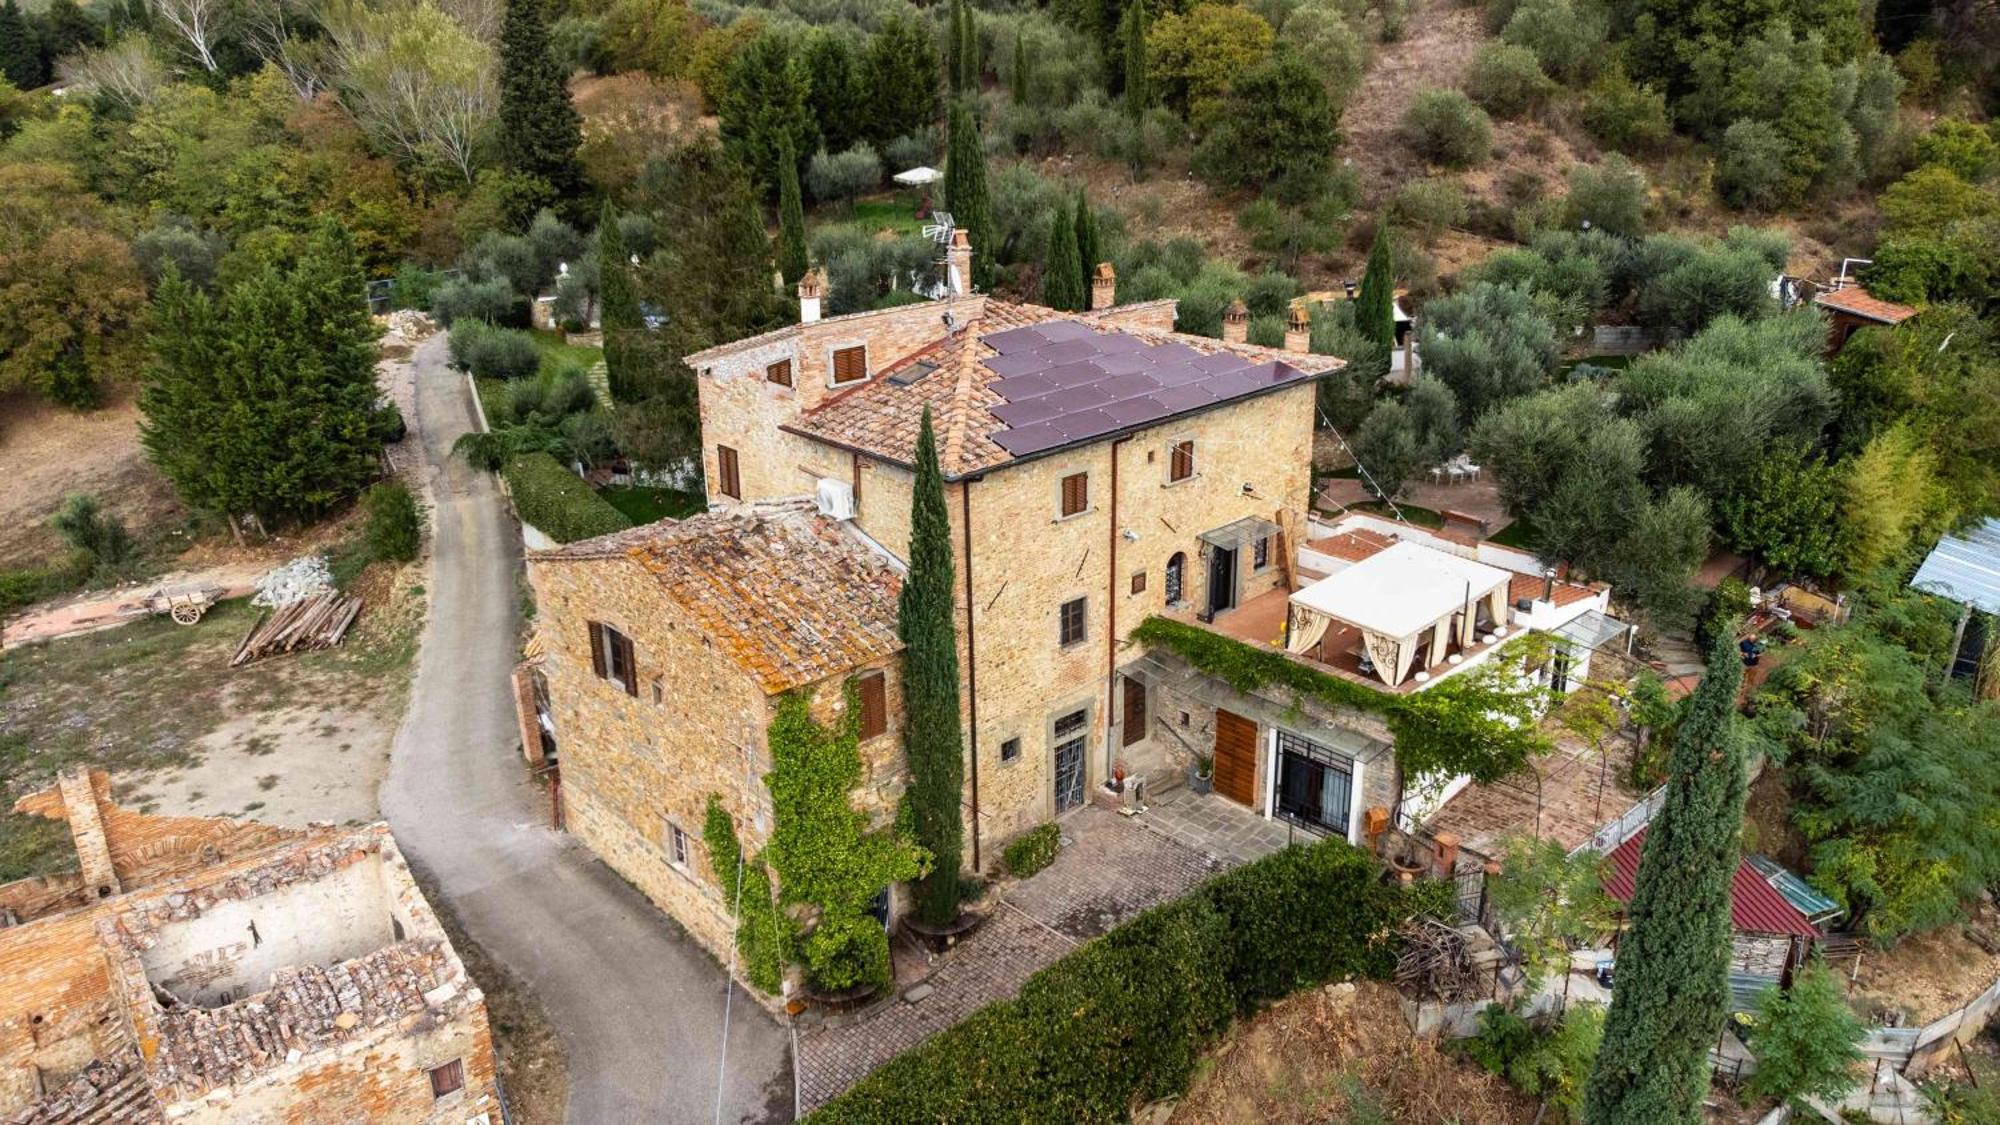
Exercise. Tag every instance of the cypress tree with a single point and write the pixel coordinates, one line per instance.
(792, 260)
(67, 29)
(1136, 92)
(932, 739)
(619, 314)
(1062, 284)
(20, 50)
(954, 46)
(901, 78)
(968, 50)
(965, 191)
(1375, 305)
(539, 129)
(1086, 239)
(1018, 86)
(1673, 962)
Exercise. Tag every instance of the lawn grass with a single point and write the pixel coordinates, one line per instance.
(1517, 534)
(644, 504)
(896, 213)
(557, 355)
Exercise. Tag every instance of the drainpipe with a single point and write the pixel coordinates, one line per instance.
(971, 662)
(1111, 618)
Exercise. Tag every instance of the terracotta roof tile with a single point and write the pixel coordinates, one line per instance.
(1353, 546)
(785, 593)
(1530, 587)
(881, 417)
(1858, 301)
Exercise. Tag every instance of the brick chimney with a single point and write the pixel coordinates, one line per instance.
(812, 287)
(86, 830)
(1103, 286)
(1236, 323)
(958, 264)
(1298, 328)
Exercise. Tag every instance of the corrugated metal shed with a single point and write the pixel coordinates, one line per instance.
(1815, 906)
(1755, 907)
(1965, 568)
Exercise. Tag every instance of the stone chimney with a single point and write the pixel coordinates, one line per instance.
(86, 829)
(958, 264)
(812, 287)
(1236, 323)
(1298, 328)
(1103, 287)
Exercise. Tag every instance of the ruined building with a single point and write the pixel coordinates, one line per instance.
(205, 969)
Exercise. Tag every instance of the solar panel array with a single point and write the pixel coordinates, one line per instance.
(1065, 383)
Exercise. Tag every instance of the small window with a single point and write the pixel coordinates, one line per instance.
(730, 482)
(448, 1079)
(779, 373)
(677, 845)
(612, 658)
(1138, 581)
(1181, 465)
(1176, 578)
(659, 690)
(1072, 622)
(873, 692)
(850, 365)
(1075, 494)
(1010, 750)
(1260, 552)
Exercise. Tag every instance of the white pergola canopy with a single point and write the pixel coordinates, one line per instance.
(1394, 598)
(918, 176)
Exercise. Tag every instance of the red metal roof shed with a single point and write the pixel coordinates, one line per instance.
(1755, 907)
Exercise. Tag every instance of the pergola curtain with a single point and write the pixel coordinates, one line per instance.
(1306, 629)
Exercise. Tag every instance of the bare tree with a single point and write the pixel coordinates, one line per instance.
(197, 22)
(418, 81)
(280, 32)
(129, 71)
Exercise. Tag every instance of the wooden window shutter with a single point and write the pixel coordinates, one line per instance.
(850, 364)
(627, 664)
(873, 691)
(731, 485)
(1075, 493)
(597, 649)
(780, 373)
(1183, 461)
(448, 1079)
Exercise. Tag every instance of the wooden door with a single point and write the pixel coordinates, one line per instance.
(1236, 758)
(1135, 711)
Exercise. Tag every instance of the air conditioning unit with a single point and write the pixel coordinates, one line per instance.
(836, 499)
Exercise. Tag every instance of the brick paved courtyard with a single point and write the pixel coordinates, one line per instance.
(1109, 869)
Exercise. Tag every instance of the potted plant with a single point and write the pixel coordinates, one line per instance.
(1201, 775)
(1117, 783)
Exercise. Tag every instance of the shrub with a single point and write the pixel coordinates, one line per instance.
(1507, 80)
(1033, 850)
(415, 286)
(845, 176)
(1968, 150)
(1610, 196)
(1124, 1018)
(1427, 207)
(1750, 167)
(85, 528)
(29, 585)
(492, 300)
(1444, 127)
(1567, 36)
(392, 529)
(1624, 116)
(493, 353)
(557, 501)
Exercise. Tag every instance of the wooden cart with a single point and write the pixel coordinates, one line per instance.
(185, 604)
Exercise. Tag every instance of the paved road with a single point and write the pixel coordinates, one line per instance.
(639, 1009)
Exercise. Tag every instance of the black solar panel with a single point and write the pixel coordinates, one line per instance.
(1064, 382)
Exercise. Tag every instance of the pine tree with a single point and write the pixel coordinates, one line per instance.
(618, 313)
(20, 49)
(1375, 305)
(965, 192)
(792, 261)
(932, 739)
(1062, 283)
(1673, 982)
(67, 29)
(1018, 86)
(263, 402)
(1086, 239)
(539, 130)
(1137, 95)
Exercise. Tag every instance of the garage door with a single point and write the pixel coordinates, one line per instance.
(1235, 757)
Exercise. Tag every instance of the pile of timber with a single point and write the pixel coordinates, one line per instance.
(311, 623)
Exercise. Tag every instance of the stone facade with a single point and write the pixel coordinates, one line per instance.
(297, 976)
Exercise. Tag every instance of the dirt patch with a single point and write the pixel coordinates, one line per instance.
(1343, 1053)
(1767, 821)
(47, 452)
(291, 739)
(1926, 976)
(1438, 48)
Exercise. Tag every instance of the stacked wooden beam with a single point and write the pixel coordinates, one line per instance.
(309, 624)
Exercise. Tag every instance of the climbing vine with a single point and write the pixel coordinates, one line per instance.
(764, 934)
(821, 847)
(1484, 722)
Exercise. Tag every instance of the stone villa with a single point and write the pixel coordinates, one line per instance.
(214, 969)
(1100, 468)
